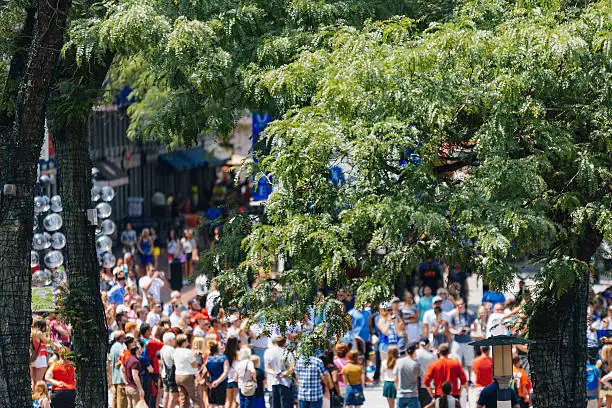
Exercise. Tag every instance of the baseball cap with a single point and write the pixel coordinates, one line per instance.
(436, 299)
(233, 318)
(395, 299)
(200, 316)
(411, 348)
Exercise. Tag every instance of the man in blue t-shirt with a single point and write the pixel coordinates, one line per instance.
(462, 323)
(117, 292)
(488, 395)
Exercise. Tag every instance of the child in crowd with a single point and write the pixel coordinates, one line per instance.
(40, 396)
(260, 375)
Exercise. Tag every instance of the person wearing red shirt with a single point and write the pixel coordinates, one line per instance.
(483, 369)
(442, 370)
(61, 376)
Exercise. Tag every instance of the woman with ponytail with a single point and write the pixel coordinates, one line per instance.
(446, 400)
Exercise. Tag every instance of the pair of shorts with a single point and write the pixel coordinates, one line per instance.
(354, 395)
(389, 390)
(189, 257)
(231, 385)
(40, 362)
(216, 396)
(169, 386)
(465, 352)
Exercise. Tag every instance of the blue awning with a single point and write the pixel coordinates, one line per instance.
(182, 160)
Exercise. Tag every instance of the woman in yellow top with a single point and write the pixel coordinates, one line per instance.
(354, 377)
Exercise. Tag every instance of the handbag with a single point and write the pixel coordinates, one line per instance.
(34, 352)
(247, 388)
(337, 401)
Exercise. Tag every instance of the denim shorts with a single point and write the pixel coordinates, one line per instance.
(412, 402)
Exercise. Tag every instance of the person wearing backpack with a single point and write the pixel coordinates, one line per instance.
(592, 385)
(169, 371)
(247, 378)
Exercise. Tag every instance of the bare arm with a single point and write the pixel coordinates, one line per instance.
(136, 377)
(63, 332)
(327, 381)
(49, 378)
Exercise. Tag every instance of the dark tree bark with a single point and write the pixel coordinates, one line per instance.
(559, 355)
(21, 137)
(67, 121)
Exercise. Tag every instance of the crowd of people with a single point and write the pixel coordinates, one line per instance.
(188, 351)
(193, 354)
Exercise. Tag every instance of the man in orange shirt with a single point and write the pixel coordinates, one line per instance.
(442, 370)
(483, 369)
(520, 382)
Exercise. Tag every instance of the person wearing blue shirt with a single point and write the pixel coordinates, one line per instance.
(488, 395)
(117, 292)
(361, 323)
(425, 302)
(311, 374)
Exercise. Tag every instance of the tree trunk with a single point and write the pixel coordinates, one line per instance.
(83, 304)
(559, 355)
(20, 143)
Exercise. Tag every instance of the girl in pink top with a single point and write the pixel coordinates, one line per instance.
(340, 361)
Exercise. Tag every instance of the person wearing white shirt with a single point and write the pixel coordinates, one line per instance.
(186, 368)
(151, 284)
(212, 299)
(154, 316)
(245, 372)
(168, 371)
(277, 362)
(495, 325)
(175, 317)
(430, 318)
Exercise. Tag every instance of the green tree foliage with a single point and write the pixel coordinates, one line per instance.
(515, 96)
(192, 65)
